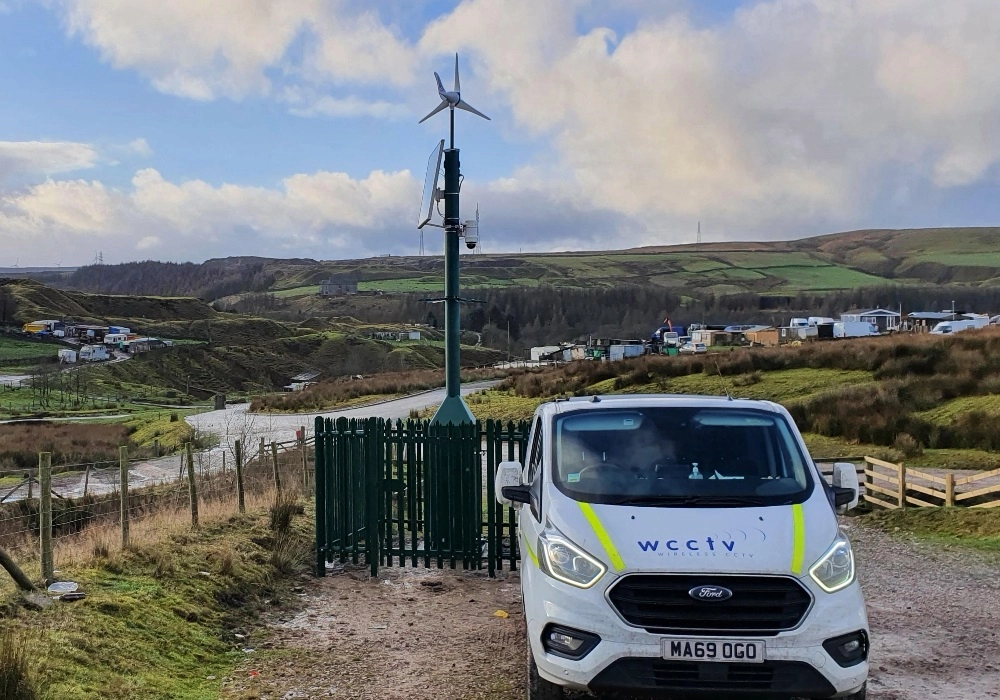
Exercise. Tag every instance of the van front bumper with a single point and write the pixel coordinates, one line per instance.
(629, 658)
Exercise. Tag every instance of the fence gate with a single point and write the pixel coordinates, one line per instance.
(414, 494)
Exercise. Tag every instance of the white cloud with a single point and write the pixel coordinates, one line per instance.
(32, 158)
(234, 48)
(324, 213)
(139, 147)
(792, 116)
(796, 113)
(306, 103)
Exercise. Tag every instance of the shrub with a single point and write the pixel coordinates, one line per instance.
(16, 681)
(908, 445)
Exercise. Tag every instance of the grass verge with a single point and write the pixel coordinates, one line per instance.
(168, 617)
(969, 527)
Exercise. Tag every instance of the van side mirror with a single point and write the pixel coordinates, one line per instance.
(508, 476)
(846, 486)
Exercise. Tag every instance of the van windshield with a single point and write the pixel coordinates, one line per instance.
(683, 457)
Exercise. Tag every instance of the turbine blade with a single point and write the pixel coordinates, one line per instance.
(444, 103)
(462, 104)
(440, 86)
(458, 85)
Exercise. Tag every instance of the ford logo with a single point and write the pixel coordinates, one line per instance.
(710, 594)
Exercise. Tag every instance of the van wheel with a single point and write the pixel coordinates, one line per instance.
(860, 695)
(538, 687)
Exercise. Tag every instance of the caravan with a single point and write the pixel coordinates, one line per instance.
(968, 322)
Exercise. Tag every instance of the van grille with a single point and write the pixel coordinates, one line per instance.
(769, 679)
(760, 605)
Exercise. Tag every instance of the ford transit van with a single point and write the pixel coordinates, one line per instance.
(684, 546)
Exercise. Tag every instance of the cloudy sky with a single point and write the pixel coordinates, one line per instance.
(188, 129)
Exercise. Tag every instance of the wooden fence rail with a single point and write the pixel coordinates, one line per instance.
(895, 486)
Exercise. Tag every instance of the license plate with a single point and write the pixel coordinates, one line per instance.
(729, 650)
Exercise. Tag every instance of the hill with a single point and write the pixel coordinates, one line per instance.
(23, 300)
(824, 263)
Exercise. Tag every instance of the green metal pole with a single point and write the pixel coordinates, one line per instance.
(453, 409)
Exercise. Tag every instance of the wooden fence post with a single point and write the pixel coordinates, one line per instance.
(31, 485)
(86, 480)
(277, 473)
(260, 457)
(192, 486)
(123, 481)
(238, 447)
(223, 463)
(45, 515)
(902, 486)
(949, 489)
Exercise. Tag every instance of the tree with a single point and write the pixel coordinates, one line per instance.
(7, 306)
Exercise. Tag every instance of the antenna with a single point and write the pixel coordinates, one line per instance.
(432, 194)
(699, 233)
(729, 394)
(421, 243)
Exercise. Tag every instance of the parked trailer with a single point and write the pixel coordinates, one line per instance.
(93, 353)
(68, 356)
(973, 321)
(853, 329)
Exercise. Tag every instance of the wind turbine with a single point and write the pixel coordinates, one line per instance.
(452, 99)
(453, 409)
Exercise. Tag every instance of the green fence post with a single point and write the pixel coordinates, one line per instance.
(320, 498)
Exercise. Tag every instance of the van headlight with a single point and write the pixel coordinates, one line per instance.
(835, 570)
(564, 561)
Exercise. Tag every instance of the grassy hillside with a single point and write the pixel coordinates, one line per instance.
(930, 400)
(834, 262)
(28, 300)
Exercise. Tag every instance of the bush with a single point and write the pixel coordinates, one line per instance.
(908, 445)
(16, 682)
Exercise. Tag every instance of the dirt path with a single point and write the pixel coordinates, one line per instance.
(418, 635)
(935, 618)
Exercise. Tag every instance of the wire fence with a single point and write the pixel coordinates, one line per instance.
(92, 510)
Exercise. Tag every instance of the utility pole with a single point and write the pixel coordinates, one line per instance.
(453, 409)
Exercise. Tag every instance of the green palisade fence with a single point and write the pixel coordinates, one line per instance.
(414, 494)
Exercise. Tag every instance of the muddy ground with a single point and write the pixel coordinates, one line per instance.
(416, 634)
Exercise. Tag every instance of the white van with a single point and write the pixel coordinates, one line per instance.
(689, 545)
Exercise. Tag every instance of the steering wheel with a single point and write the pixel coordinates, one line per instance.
(602, 466)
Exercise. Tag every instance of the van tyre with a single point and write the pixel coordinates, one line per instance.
(538, 687)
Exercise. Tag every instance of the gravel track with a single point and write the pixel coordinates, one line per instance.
(416, 634)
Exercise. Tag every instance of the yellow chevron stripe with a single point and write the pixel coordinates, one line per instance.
(798, 539)
(602, 535)
(531, 553)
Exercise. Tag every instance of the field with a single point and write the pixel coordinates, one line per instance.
(15, 352)
(841, 261)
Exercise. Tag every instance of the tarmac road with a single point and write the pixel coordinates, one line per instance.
(235, 421)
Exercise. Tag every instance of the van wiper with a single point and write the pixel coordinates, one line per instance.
(729, 500)
(656, 501)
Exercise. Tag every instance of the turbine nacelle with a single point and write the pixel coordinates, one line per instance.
(452, 99)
